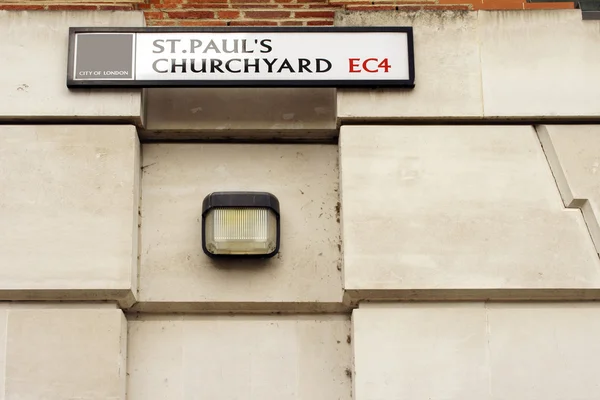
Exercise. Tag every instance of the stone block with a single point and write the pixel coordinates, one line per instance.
(544, 351)
(459, 211)
(476, 351)
(232, 357)
(420, 351)
(62, 353)
(69, 209)
(33, 80)
(573, 152)
(447, 72)
(539, 64)
(3, 336)
(175, 274)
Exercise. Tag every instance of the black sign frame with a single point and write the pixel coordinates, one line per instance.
(113, 84)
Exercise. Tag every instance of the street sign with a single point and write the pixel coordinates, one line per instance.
(244, 57)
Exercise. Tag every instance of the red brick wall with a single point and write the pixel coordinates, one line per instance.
(268, 12)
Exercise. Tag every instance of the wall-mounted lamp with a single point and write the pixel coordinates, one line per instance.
(240, 224)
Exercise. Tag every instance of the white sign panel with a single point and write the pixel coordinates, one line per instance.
(150, 57)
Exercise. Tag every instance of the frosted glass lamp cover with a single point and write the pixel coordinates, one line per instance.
(240, 224)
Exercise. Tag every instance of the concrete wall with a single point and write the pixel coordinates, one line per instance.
(105, 292)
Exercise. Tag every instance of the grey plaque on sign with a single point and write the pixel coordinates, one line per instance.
(104, 56)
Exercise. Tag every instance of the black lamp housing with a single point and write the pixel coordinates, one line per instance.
(240, 200)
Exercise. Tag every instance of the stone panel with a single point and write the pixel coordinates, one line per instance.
(442, 209)
(476, 351)
(448, 76)
(232, 357)
(544, 351)
(33, 79)
(61, 353)
(421, 351)
(69, 209)
(573, 152)
(539, 64)
(175, 274)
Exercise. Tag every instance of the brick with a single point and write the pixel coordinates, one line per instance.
(203, 23)
(358, 3)
(318, 5)
(115, 7)
(501, 5)
(473, 4)
(253, 23)
(258, 7)
(380, 4)
(143, 6)
(18, 7)
(267, 14)
(169, 4)
(406, 8)
(228, 14)
(203, 2)
(324, 2)
(78, 7)
(392, 3)
(291, 23)
(153, 15)
(162, 23)
(191, 14)
(384, 2)
(285, 1)
(370, 8)
(315, 14)
(210, 6)
(320, 23)
(248, 2)
(548, 6)
(453, 7)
